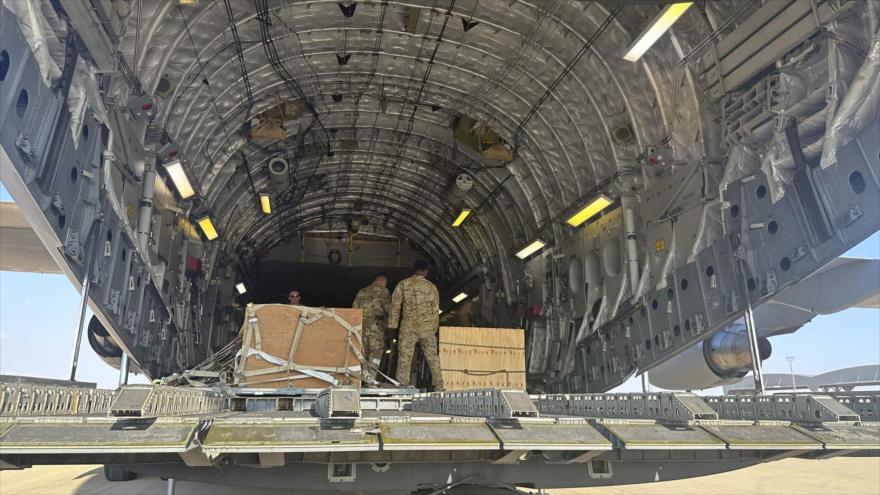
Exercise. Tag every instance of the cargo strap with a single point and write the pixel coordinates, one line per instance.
(319, 372)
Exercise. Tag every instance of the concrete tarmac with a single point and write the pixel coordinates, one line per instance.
(845, 475)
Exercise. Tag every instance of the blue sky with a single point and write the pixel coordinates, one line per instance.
(38, 316)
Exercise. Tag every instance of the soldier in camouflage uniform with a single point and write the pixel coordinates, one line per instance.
(415, 310)
(373, 300)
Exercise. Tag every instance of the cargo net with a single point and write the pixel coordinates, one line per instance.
(293, 369)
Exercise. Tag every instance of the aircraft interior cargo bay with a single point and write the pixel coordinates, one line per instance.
(418, 247)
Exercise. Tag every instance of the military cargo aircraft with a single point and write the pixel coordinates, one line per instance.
(642, 186)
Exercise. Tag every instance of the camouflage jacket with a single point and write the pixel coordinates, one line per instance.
(415, 305)
(373, 300)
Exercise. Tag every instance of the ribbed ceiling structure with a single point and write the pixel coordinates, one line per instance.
(386, 146)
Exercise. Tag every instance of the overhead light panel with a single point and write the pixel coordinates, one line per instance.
(466, 212)
(178, 177)
(531, 249)
(265, 205)
(589, 211)
(460, 297)
(660, 25)
(240, 288)
(208, 228)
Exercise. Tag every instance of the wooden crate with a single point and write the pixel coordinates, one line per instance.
(325, 345)
(473, 357)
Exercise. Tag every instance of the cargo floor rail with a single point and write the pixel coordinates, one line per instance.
(37, 399)
(496, 403)
(160, 400)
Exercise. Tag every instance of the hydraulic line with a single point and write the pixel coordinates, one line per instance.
(290, 82)
(244, 72)
(562, 75)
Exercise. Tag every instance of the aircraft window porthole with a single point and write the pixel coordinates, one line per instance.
(654, 304)
(761, 191)
(751, 284)
(710, 270)
(61, 221)
(648, 344)
(670, 294)
(785, 264)
(74, 174)
(772, 227)
(85, 133)
(109, 235)
(124, 252)
(857, 182)
(734, 211)
(4, 64)
(676, 330)
(687, 325)
(657, 340)
(684, 284)
(22, 103)
(642, 312)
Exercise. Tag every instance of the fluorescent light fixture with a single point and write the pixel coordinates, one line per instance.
(240, 288)
(460, 297)
(264, 203)
(589, 211)
(531, 249)
(660, 25)
(178, 177)
(461, 217)
(208, 228)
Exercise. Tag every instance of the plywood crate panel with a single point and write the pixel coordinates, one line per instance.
(475, 357)
(324, 343)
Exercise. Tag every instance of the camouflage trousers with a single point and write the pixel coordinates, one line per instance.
(406, 346)
(373, 334)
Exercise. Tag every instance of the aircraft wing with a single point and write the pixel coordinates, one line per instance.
(843, 283)
(20, 248)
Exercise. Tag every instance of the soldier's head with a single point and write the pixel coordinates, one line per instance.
(421, 267)
(294, 296)
(381, 280)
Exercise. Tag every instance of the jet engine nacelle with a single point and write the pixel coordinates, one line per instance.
(103, 344)
(721, 359)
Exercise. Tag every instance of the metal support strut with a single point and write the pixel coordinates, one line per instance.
(84, 303)
(170, 484)
(74, 358)
(752, 332)
(123, 369)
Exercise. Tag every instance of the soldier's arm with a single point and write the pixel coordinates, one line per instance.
(396, 302)
(385, 300)
(435, 304)
(358, 300)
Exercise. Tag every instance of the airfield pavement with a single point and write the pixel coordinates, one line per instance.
(845, 475)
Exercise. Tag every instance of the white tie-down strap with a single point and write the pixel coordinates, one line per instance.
(286, 366)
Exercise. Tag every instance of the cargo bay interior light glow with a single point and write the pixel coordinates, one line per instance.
(208, 228)
(265, 205)
(178, 177)
(530, 249)
(658, 26)
(590, 210)
(465, 212)
(460, 297)
(240, 288)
